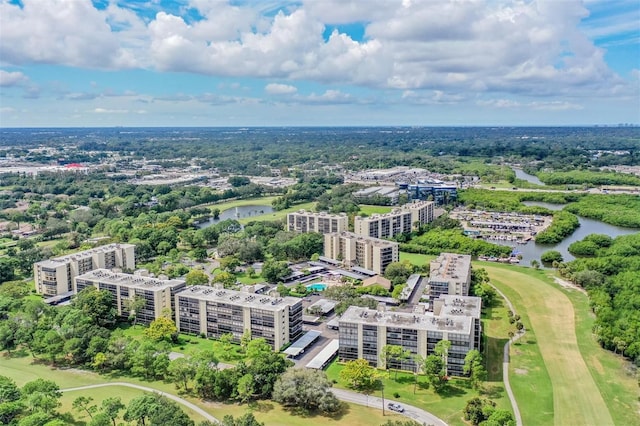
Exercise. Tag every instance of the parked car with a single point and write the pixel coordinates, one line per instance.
(395, 407)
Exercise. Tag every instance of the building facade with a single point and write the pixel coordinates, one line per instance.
(363, 332)
(398, 221)
(449, 274)
(157, 294)
(304, 221)
(55, 276)
(369, 253)
(214, 312)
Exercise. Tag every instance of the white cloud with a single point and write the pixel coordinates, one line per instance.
(280, 89)
(110, 111)
(7, 110)
(12, 78)
(503, 47)
(533, 105)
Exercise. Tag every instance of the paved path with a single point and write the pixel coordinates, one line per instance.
(144, 388)
(415, 413)
(505, 363)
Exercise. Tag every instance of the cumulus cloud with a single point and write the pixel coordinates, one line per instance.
(512, 47)
(280, 89)
(12, 78)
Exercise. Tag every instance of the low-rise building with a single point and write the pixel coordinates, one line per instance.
(398, 221)
(158, 294)
(372, 254)
(322, 222)
(449, 274)
(363, 332)
(55, 276)
(213, 312)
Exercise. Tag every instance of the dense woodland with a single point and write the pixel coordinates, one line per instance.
(608, 269)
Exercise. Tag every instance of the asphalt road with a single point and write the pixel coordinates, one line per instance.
(410, 411)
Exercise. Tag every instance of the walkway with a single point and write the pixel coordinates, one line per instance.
(415, 413)
(505, 363)
(177, 399)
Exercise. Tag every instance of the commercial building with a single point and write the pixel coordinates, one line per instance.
(450, 274)
(372, 254)
(55, 276)
(363, 332)
(157, 294)
(440, 192)
(214, 312)
(304, 221)
(398, 221)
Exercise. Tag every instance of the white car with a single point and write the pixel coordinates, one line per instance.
(395, 407)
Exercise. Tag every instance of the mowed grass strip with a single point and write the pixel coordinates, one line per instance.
(576, 397)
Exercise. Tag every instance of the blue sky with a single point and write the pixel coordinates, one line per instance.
(318, 62)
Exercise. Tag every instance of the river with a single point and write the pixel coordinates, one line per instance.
(533, 251)
(520, 174)
(240, 212)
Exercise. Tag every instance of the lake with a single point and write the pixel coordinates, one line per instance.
(240, 212)
(520, 174)
(533, 251)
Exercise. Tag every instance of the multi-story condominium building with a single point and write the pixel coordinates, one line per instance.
(214, 312)
(157, 294)
(398, 221)
(363, 332)
(304, 221)
(55, 276)
(450, 274)
(369, 253)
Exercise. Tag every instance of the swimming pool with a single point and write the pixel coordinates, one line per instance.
(317, 287)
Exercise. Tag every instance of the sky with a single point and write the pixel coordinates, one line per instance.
(84, 63)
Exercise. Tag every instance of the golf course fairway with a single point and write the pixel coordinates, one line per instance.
(550, 316)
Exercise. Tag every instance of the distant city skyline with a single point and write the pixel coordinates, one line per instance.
(83, 63)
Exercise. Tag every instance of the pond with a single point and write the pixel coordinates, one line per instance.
(240, 212)
(533, 251)
(520, 174)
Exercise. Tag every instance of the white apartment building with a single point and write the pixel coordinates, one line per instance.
(213, 312)
(55, 276)
(158, 294)
(304, 221)
(450, 273)
(398, 221)
(369, 253)
(363, 332)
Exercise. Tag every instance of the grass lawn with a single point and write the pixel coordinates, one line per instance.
(369, 209)
(448, 405)
(416, 258)
(23, 370)
(549, 375)
(272, 413)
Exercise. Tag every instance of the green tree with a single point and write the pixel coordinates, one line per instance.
(135, 305)
(442, 350)
(393, 354)
(474, 367)
(245, 388)
(274, 271)
(359, 375)
(307, 389)
(181, 371)
(162, 328)
(111, 407)
(196, 277)
(84, 404)
(257, 347)
(226, 340)
(398, 272)
(97, 305)
(551, 256)
(246, 419)
(433, 367)
(41, 395)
